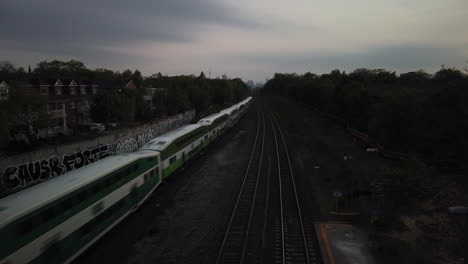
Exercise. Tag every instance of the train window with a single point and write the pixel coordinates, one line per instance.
(108, 182)
(67, 204)
(119, 176)
(96, 188)
(82, 196)
(48, 214)
(136, 167)
(25, 227)
(133, 191)
(147, 177)
(112, 209)
(85, 229)
(206, 136)
(172, 159)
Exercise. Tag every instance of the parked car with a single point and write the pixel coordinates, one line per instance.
(111, 125)
(96, 127)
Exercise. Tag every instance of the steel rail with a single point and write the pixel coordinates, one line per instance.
(272, 117)
(241, 191)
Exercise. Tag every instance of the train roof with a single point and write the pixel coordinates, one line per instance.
(25, 201)
(245, 101)
(206, 121)
(161, 142)
(229, 110)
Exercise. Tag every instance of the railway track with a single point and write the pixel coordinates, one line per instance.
(267, 224)
(233, 248)
(294, 234)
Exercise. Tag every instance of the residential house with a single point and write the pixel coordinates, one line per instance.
(68, 101)
(149, 95)
(4, 90)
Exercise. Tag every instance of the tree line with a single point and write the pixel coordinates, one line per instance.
(175, 94)
(171, 95)
(25, 111)
(424, 115)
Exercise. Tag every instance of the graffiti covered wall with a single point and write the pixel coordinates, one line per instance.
(21, 171)
(25, 174)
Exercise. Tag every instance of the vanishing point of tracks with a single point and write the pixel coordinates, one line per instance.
(268, 222)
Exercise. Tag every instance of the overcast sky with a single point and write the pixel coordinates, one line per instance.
(251, 39)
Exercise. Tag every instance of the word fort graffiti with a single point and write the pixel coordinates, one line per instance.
(27, 173)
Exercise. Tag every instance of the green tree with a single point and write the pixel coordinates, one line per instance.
(160, 103)
(353, 103)
(126, 75)
(124, 105)
(177, 100)
(137, 79)
(200, 97)
(27, 111)
(395, 120)
(7, 67)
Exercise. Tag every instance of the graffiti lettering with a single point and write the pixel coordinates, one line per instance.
(25, 174)
(22, 175)
(45, 170)
(10, 177)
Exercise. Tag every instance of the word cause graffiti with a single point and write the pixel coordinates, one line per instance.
(27, 173)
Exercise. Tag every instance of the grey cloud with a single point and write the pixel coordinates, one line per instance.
(70, 26)
(391, 57)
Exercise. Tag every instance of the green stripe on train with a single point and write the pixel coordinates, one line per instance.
(67, 247)
(182, 142)
(179, 162)
(12, 241)
(174, 166)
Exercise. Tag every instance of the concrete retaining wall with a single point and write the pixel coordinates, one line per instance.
(24, 170)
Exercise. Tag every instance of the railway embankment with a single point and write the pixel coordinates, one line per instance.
(401, 205)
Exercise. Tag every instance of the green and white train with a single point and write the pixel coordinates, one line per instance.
(55, 221)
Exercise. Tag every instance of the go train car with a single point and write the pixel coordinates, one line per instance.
(216, 124)
(178, 146)
(244, 105)
(233, 113)
(53, 222)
